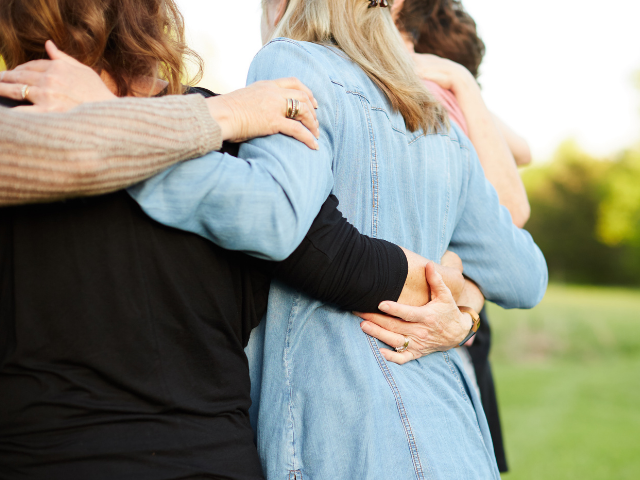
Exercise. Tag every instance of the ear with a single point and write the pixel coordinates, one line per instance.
(280, 13)
(396, 8)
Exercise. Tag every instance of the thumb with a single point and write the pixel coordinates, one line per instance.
(439, 291)
(54, 52)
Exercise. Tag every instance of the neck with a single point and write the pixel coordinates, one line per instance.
(408, 42)
(140, 87)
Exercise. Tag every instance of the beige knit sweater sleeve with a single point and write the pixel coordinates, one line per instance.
(99, 148)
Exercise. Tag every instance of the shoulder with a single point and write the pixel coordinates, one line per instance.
(294, 56)
(283, 45)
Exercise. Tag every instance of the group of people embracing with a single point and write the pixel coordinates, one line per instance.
(273, 283)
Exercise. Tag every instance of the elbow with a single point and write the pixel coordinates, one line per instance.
(523, 155)
(525, 286)
(533, 286)
(274, 235)
(521, 214)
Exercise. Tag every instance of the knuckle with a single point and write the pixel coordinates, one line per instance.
(423, 336)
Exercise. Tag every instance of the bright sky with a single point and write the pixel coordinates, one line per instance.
(554, 69)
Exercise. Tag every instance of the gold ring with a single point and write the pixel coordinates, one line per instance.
(404, 347)
(290, 105)
(25, 92)
(296, 109)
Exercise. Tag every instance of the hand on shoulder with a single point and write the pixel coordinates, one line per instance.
(55, 85)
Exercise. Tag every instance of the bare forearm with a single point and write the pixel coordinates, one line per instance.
(98, 148)
(495, 155)
(518, 145)
(416, 290)
(471, 296)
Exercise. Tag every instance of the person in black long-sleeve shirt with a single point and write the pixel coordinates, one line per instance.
(122, 347)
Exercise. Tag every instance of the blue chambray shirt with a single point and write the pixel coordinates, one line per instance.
(325, 402)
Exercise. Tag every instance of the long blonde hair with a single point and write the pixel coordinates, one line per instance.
(368, 36)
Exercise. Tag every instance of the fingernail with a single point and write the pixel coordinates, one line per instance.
(316, 146)
(383, 306)
(365, 327)
(315, 103)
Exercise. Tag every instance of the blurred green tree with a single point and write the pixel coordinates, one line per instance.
(619, 212)
(568, 214)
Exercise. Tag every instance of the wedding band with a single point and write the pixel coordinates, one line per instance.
(25, 92)
(404, 347)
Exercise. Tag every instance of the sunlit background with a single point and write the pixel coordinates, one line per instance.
(563, 74)
(554, 69)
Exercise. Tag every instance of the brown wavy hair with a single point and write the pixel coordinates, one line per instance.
(443, 28)
(128, 39)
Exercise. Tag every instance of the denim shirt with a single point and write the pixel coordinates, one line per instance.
(325, 402)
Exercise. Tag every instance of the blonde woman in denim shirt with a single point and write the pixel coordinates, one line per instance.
(329, 401)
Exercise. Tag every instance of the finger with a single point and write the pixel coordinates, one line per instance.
(395, 357)
(405, 312)
(439, 291)
(390, 338)
(12, 90)
(304, 99)
(295, 129)
(35, 66)
(23, 77)
(308, 119)
(56, 54)
(294, 83)
(388, 323)
(31, 109)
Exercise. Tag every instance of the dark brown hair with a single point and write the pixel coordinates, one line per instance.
(443, 28)
(127, 39)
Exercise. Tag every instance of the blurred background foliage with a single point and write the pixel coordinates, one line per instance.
(568, 371)
(585, 216)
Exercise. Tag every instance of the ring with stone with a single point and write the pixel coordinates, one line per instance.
(404, 347)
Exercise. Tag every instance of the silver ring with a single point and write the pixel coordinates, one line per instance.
(24, 92)
(404, 347)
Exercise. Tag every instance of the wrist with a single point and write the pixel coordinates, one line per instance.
(475, 323)
(464, 84)
(222, 114)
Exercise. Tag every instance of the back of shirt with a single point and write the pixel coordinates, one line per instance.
(121, 354)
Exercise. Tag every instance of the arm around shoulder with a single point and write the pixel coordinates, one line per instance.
(264, 202)
(98, 148)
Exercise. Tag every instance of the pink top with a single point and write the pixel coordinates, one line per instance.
(450, 103)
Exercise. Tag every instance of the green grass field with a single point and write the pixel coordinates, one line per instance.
(568, 379)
